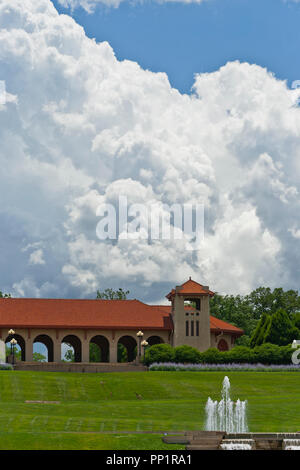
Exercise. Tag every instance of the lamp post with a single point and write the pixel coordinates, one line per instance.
(140, 334)
(13, 342)
(11, 332)
(144, 344)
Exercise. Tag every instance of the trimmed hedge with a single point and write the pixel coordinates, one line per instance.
(6, 366)
(159, 353)
(186, 354)
(266, 353)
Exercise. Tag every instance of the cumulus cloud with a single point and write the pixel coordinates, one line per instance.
(82, 128)
(36, 257)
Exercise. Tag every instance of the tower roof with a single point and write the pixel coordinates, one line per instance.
(190, 287)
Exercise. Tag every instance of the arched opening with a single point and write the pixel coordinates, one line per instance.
(99, 349)
(71, 349)
(222, 345)
(43, 349)
(154, 340)
(19, 348)
(127, 349)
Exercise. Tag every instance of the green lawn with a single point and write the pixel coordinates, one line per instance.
(96, 409)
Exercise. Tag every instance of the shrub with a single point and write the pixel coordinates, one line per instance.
(159, 353)
(240, 354)
(5, 366)
(265, 354)
(187, 354)
(170, 366)
(268, 353)
(211, 356)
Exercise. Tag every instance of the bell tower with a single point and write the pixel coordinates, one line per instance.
(190, 314)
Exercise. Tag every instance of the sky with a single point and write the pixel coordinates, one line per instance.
(184, 39)
(161, 102)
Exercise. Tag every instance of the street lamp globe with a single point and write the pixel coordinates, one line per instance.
(11, 332)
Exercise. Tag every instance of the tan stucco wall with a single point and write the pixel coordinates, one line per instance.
(201, 342)
(57, 335)
(205, 340)
(214, 340)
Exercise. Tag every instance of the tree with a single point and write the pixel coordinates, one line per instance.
(280, 329)
(17, 352)
(296, 320)
(261, 301)
(122, 353)
(235, 310)
(246, 311)
(95, 353)
(69, 356)
(259, 333)
(4, 296)
(38, 357)
(110, 294)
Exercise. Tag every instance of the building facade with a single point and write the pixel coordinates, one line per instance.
(108, 323)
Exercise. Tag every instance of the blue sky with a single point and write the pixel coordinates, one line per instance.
(184, 39)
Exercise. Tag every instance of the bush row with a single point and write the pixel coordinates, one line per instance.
(5, 366)
(264, 354)
(172, 366)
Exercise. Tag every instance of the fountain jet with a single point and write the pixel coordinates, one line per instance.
(226, 415)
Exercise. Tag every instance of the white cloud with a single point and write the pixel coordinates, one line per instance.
(295, 232)
(85, 128)
(36, 257)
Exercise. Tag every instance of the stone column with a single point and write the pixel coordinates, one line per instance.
(28, 350)
(113, 351)
(85, 356)
(57, 348)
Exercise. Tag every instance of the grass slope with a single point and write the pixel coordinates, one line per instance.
(96, 409)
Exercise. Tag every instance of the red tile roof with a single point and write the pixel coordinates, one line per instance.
(69, 313)
(216, 325)
(100, 314)
(190, 287)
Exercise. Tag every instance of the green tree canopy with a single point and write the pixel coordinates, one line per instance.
(246, 311)
(110, 294)
(280, 329)
(4, 296)
(38, 357)
(259, 333)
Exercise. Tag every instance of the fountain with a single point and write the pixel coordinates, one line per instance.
(226, 429)
(226, 415)
(291, 444)
(237, 444)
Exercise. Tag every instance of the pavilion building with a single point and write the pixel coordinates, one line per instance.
(107, 323)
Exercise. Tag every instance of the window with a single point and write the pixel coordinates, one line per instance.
(192, 328)
(186, 328)
(197, 328)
